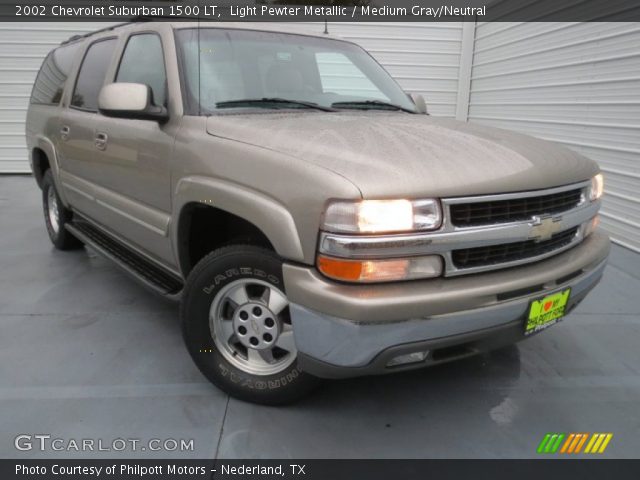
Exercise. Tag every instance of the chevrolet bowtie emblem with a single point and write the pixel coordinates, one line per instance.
(254, 326)
(544, 228)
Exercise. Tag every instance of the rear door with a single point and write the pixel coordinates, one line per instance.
(79, 171)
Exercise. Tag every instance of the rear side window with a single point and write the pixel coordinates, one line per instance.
(143, 62)
(91, 77)
(53, 75)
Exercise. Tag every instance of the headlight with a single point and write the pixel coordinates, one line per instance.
(382, 216)
(597, 187)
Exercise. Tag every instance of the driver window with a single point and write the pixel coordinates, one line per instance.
(143, 62)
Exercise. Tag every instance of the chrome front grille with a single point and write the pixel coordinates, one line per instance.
(515, 228)
(536, 225)
(513, 209)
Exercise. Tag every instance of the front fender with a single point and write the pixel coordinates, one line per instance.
(266, 213)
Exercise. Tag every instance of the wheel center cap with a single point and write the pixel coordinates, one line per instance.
(256, 326)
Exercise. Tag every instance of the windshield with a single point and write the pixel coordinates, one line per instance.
(222, 66)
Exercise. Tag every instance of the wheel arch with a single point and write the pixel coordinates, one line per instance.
(40, 164)
(234, 211)
(43, 157)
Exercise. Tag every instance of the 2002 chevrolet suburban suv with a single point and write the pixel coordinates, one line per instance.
(310, 217)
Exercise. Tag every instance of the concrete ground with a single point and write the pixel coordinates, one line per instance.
(86, 353)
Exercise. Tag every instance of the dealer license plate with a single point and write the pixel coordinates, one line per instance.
(545, 312)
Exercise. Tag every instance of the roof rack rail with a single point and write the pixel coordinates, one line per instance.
(74, 38)
(139, 18)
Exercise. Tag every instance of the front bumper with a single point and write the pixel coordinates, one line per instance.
(346, 330)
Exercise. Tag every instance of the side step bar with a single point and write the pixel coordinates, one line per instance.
(152, 276)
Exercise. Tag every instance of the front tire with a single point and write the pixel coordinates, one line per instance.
(237, 328)
(56, 216)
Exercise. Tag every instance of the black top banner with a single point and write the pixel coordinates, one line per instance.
(323, 10)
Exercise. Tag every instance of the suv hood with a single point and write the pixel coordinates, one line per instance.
(393, 154)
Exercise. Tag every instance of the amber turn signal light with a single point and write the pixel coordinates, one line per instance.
(387, 270)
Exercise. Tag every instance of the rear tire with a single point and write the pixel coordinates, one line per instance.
(56, 216)
(237, 328)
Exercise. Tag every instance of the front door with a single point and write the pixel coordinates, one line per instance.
(134, 155)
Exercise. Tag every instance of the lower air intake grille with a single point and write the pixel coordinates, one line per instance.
(509, 252)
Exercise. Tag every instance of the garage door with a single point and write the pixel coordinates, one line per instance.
(23, 46)
(577, 84)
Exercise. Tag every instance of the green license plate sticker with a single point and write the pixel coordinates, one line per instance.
(544, 313)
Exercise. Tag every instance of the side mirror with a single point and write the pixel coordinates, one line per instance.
(419, 102)
(130, 100)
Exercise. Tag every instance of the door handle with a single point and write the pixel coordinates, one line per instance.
(100, 140)
(64, 132)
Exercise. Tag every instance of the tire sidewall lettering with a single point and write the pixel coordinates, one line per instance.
(270, 384)
(233, 273)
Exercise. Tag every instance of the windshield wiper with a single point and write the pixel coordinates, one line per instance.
(271, 100)
(369, 104)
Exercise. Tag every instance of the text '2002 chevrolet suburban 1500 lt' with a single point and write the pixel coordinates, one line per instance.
(310, 217)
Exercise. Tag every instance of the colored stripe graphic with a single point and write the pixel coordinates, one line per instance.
(581, 442)
(556, 445)
(596, 446)
(550, 443)
(605, 443)
(543, 443)
(565, 447)
(573, 443)
(598, 443)
(568, 442)
(594, 437)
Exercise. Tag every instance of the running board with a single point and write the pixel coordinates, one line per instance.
(152, 276)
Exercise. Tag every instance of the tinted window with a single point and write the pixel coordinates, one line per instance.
(219, 66)
(143, 62)
(91, 76)
(53, 74)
